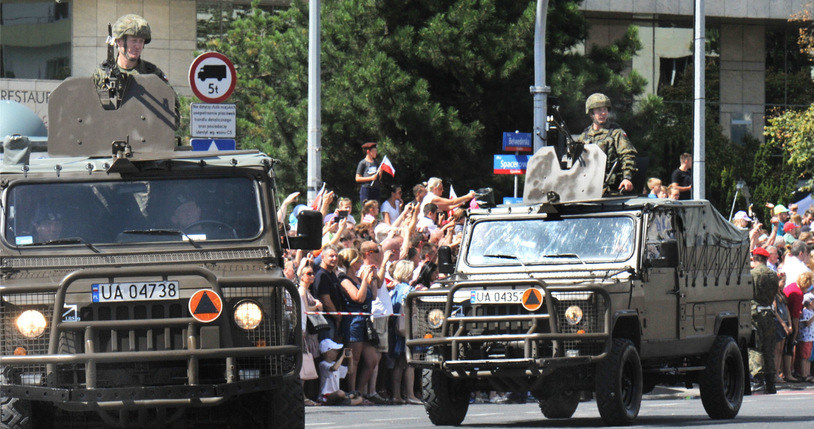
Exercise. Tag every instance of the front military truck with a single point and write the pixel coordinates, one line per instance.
(142, 283)
(606, 296)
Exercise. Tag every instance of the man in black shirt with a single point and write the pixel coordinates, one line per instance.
(681, 178)
(367, 173)
(327, 287)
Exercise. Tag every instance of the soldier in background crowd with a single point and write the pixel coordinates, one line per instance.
(765, 286)
(609, 136)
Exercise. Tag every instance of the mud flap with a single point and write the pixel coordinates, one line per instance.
(583, 181)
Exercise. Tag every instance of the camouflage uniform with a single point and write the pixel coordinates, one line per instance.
(614, 142)
(143, 67)
(765, 286)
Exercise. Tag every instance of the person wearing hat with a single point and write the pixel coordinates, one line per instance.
(609, 136)
(130, 34)
(368, 173)
(782, 214)
(48, 225)
(764, 282)
(741, 219)
(331, 371)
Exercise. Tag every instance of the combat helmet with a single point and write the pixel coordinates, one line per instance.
(132, 25)
(596, 100)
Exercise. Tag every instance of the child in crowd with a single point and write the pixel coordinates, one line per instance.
(806, 337)
(654, 183)
(330, 372)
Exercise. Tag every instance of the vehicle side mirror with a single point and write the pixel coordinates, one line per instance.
(309, 231)
(445, 264)
(662, 254)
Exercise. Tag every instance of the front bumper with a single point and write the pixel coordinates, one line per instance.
(151, 353)
(491, 340)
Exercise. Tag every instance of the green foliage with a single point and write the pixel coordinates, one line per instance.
(435, 82)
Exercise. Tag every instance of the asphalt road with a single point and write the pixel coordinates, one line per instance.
(793, 406)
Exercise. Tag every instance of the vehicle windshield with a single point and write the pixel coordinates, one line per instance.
(542, 241)
(201, 209)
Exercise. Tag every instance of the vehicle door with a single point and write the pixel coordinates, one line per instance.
(661, 293)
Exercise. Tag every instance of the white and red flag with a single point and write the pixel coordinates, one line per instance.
(387, 166)
(318, 199)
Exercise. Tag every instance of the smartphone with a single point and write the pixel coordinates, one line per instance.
(347, 353)
(342, 214)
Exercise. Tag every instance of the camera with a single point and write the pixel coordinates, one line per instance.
(342, 214)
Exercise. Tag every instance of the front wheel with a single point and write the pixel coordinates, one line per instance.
(619, 384)
(446, 400)
(560, 406)
(15, 412)
(282, 408)
(722, 381)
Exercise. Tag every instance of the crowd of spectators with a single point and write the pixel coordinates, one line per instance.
(352, 289)
(787, 246)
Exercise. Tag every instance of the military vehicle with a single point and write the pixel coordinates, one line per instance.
(567, 298)
(142, 282)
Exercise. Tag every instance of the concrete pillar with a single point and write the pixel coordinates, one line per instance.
(743, 76)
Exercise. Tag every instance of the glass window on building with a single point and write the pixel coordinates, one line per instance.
(788, 71)
(35, 39)
(216, 16)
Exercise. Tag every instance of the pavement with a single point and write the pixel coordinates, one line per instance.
(675, 392)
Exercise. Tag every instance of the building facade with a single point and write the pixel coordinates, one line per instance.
(44, 41)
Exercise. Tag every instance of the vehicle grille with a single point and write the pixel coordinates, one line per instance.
(275, 329)
(593, 306)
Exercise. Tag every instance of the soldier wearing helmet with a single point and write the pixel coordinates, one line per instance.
(129, 35)
(613, 141)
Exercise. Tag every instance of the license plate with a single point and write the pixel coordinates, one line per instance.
(504, 296)
(136, 291)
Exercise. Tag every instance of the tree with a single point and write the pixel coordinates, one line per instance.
(435, 82)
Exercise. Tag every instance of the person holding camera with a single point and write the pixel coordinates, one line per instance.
(331, 371)
(436, 187)
(357, 290)
(343, 209)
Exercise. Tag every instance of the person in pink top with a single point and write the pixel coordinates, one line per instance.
(794, 295)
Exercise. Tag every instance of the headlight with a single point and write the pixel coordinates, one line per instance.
(435, 318)
(248, 315)
(31, 323)
(573, 315)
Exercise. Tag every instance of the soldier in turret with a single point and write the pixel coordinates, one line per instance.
(129, 35)
(609, 136)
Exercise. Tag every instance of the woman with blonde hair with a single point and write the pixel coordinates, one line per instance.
(358, 294)
(402, 275)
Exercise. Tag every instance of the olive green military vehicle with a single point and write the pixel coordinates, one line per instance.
(608, 297)
(142, 283)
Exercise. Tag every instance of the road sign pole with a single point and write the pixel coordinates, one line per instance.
(540, 90)
(314, 102)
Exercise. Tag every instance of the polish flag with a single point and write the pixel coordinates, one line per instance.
(318, 199)
(387, 167)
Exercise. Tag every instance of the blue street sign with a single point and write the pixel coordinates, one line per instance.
(511, 164)
(204, 145)
(512, 200)
(513, 142)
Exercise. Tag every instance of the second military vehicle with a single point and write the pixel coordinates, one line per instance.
(602, 297)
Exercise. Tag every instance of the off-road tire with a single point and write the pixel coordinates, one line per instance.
(445, 400)
(282, 408)
(560, 406)
(721, 383)
(619, 384)
(15, 413)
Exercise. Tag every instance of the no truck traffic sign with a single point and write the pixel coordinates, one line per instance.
(212, 77)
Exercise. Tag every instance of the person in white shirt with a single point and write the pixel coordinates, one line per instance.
(331, 371)
(428, 223)
(391, 207)
(436, 187)
(795, 262)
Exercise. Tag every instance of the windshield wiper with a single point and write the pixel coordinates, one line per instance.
(177, 232)
(565, 255)
(67, 240)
